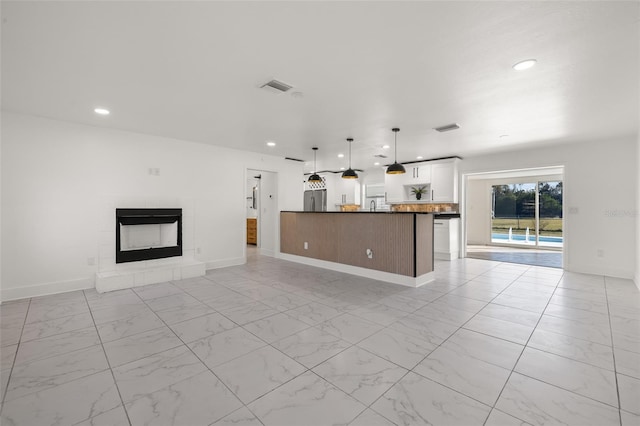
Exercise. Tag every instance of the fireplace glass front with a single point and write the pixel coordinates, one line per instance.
(144, 234)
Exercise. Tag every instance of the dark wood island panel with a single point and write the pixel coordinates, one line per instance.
(401, 243)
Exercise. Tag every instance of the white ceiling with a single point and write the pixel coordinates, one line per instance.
(191, 70)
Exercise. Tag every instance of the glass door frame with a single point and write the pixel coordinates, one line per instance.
(536, 181)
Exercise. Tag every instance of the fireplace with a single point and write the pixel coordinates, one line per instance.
(145, 234)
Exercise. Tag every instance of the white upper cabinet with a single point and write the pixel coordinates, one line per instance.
(418, 174)
(394, 187)
(444, 183)
(347, 191)
(439, 178)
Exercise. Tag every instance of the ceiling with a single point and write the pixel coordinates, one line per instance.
(193, 71)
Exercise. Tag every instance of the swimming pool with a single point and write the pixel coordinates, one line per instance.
(532, 238)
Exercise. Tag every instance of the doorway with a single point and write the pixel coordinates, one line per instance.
(516, 216)
(261, 212)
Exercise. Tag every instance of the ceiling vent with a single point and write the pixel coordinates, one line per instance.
(447, 128)
(380, 156)
(276, 86)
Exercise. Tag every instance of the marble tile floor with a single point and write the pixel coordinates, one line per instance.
(278, 343)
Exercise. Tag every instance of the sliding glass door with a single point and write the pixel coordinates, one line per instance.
(550, 214)
(527, 214)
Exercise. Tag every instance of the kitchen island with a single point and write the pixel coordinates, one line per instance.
(395, 247)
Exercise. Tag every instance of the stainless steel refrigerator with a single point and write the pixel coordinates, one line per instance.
(315, 200)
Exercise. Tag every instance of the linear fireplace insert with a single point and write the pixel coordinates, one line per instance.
(145, 234)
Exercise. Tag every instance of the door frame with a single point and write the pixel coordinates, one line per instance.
(271, 252)
(537, 173)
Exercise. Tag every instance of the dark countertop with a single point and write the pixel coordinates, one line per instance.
(446, 215)
(357, 212)
(437, 215)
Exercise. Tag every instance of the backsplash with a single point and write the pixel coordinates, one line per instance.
(425, 207)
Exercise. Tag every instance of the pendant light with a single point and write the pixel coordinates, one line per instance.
(315, 177)
(395, 168)
(349, 173)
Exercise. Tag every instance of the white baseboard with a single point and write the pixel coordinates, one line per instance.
(600, 270)
(266, 252)
(362, 272)
(444, 256)
(234, 261)
(46, 289)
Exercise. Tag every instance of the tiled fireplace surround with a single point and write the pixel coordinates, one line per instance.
(116, 276)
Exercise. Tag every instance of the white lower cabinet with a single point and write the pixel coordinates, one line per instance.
(446, 238)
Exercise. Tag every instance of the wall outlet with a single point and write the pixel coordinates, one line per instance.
(573, 210)
(91, 261)
(306, 245)
(600, 253)
(198, 250)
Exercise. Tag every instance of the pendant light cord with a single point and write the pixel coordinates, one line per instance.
(395, 131)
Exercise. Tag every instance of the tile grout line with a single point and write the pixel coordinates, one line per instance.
(613, 352)
(15, 357)
(113, 377)
(439, 345)
(306, 368)
(524, 348)
(386, 327)
(199, 359)
(462, 327)
(449, 292)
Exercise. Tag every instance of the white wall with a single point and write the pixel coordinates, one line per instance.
(601, 181)
(61, 183)
(478, 212)
(637, 212)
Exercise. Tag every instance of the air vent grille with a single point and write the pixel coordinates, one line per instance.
(276, 86)
(380, 156)
(448, 127)
(294, 159)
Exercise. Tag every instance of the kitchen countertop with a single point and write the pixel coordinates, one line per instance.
(438, 215)
(446, 215)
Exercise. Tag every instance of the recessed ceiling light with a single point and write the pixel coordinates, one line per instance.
(419, 157)
(342, 168)
(385, 147)
(504, 136)
(376, 164)
(101, 111)
(524, 65)
(271, 143)
(340, 155)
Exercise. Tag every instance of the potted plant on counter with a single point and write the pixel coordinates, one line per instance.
(418, 191)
